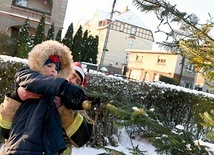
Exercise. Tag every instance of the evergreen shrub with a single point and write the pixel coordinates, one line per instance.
(169, 80)
(7, 45)
(176, 106)
(7, 73)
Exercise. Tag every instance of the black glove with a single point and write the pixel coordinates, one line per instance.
(72, 96)
(96, 101)
(14, 95)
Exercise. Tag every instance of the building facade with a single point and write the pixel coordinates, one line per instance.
(13, 14)
(124, 30)
(148, 66)
(202, 84)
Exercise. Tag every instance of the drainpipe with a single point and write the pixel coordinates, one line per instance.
(182, 68)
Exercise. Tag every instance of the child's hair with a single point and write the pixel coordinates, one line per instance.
(41, 53)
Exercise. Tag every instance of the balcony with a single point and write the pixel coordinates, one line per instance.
(29, 10)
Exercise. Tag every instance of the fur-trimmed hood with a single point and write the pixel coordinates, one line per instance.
(41, 52)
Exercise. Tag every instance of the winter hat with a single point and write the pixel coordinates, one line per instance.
(80, 72)
(46, 52)
(53, 59)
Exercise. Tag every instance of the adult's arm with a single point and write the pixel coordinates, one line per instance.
(78, 128)
(72, 96)
(7, 111)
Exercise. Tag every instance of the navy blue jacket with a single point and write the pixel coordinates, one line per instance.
(36, 128)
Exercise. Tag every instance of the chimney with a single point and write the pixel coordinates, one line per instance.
(125, 9)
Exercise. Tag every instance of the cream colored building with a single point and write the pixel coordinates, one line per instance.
(125, 30)
(146, 65)
(13, 13)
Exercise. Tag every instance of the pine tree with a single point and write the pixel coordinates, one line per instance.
(133, 105)
(59, 35)
(77, 41)
(89, 48)
(209, 123)
(94, 52)
(152, 125)
(68, 39)
(136, 151)
(51, 34)
(191, 39)
(85, 47)
(40, 32)
(24, 41)
(111, 151)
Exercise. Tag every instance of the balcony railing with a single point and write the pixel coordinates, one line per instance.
(30, 13)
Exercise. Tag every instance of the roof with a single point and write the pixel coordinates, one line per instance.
(103, 14)
(128, 17)
(132, 19)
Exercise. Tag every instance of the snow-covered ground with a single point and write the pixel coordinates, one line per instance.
(124, 143)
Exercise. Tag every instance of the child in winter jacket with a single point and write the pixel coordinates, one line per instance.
(77, 124)
(36, 127)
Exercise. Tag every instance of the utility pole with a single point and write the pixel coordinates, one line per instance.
(106, 38)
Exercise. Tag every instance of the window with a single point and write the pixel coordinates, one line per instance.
(146, 76)
(122, 27)
(125, 28)
(156, 77)
(136, 58)
(190, 68)
(130, 43)
(127, 56)
(139, 58)
(161, 60)
(21, 2)
(133, 30)
(188, 85)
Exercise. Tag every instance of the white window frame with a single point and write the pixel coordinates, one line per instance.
(130, 43)
(133, 30)
(21, 2)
